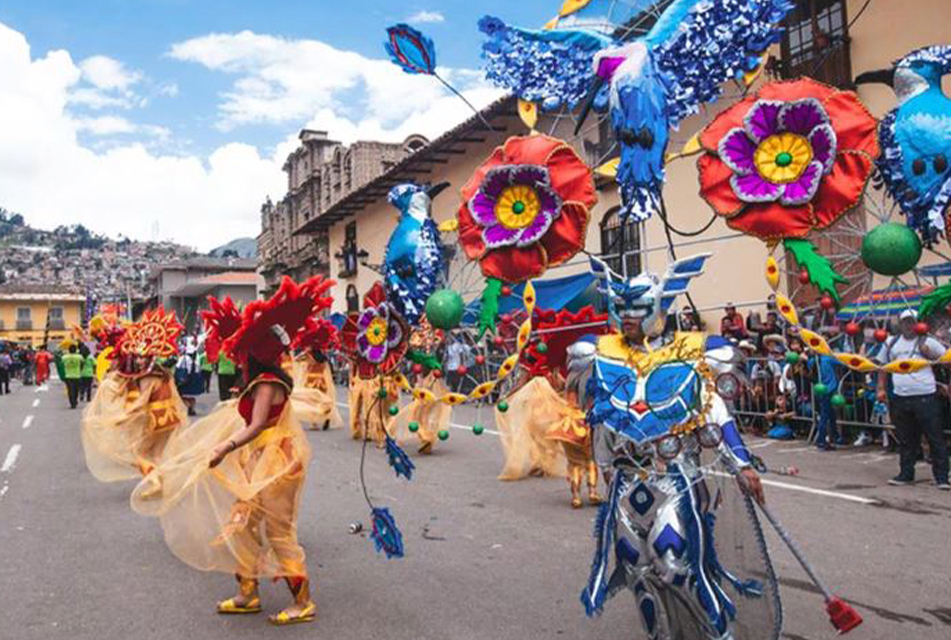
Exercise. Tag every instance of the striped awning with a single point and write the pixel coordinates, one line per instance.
(885, 303)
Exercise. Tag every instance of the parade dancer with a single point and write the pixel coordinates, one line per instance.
(136, 406)
(232, 481)
(315, 395)
(656, 410)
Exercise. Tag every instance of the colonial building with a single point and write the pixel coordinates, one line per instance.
(319, 173)
(185, 285)
(35, 314)
(823, 40)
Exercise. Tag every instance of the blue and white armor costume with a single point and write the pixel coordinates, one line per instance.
(675, 530)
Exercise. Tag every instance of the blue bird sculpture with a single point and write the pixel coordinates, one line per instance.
(650, 82)
(413, 263)
(915, 165)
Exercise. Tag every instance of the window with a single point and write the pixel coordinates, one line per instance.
(816, 43)
(348, 253)
(353, 299)
(24, 319)
(615, 245)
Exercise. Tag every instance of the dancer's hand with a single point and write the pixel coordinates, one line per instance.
(751, 485)
(219, 454)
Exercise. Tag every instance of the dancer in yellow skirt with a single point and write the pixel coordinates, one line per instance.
(232, 481)
(315, 395)
(136, 407)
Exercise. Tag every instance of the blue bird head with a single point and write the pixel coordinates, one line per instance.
(913, 74)
(414, 199)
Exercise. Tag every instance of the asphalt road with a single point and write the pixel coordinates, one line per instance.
(485, 560)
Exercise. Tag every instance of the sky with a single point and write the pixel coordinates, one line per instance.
(171, 119)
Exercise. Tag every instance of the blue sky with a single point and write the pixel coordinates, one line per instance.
(141, 33)
(127, 116)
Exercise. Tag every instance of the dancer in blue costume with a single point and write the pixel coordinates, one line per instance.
(673, 530)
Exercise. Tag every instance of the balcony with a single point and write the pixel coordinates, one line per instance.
(57, 324)
(24, 325)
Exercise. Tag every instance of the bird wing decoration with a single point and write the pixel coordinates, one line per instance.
(678, 277)
(551, 67)
(700, 44)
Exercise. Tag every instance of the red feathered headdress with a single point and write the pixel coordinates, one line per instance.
(155, 334)
(221, 320)
(269, 327)
(559, 331)
(319, 334)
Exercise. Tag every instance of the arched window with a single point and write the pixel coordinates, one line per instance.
(353, 299)
(615, 245)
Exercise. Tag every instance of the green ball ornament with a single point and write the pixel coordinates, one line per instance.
(792, 357)
(542, 347)
(413, 427)
(821, 389)
(837, 400)
(443, 434)
(394, 410)
(381, 393)
(503, 406)
(891, 249)
(444, 309)
(478, 429)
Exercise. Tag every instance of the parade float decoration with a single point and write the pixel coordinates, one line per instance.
(915, 165)
(650, 64)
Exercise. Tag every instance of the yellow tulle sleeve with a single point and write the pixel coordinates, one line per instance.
(429, 415)
(534, 412)
(314, 397)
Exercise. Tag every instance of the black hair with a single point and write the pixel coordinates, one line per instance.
(256, 368)
(72, 348)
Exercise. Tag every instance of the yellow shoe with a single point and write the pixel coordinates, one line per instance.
(230, 607)
(307, 614)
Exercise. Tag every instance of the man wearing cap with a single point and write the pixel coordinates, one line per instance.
(914, 403)
(731, 325)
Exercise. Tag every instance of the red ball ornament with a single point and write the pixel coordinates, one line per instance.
(880, 335)
(417, 368)
(506, 290)
(462, 370)
(480, 359)
(505, 318)
(803, 277)
(437, 373)
(498, 341)
(853, 328)
(827, 302)
(921, 328)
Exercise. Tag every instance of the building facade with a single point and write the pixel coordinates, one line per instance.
(39, 314)
(320, 172)
(183, 286)
(820, 42)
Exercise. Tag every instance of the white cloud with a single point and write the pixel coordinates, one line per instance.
(108, 73)
(52, 178)
(423, 17)
(116, 125)
(281, 81)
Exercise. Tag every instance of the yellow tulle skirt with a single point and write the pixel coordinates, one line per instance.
(367, 417)
(241, 516)
(314, 397)
(127, 425)
(431, 417)
(536, 413)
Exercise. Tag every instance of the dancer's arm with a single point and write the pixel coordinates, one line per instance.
(265, 395)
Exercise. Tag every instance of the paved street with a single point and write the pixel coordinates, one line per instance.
(485, 560)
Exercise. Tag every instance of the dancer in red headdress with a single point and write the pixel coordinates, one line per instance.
(232, 481)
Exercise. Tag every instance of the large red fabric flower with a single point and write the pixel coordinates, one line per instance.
(526, 208)
(558, 331)
(794, 157)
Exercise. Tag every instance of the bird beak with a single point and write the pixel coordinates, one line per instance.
(881, 76)
(436, 189)
(589, 101)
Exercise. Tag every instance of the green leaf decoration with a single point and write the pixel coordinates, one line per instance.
(490, 305)
(821, 272)
(937, 300)
(428, 360)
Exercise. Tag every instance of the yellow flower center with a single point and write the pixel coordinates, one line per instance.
(517, 206)
(783, 157)
(376, 332)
